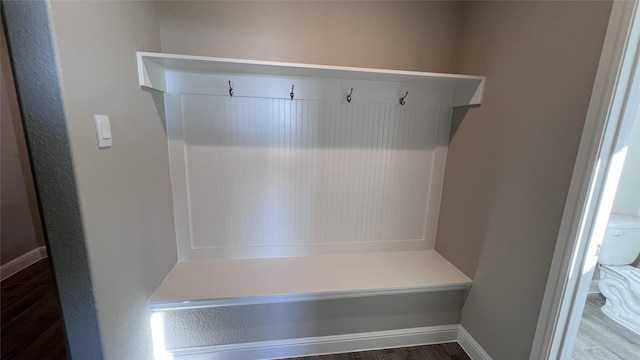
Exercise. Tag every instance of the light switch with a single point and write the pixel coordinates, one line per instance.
(103, 130)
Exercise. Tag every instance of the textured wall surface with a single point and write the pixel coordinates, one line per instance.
(31, 47)
(21, 227)
(386, 34)
(124, 191)
(235, 324)
(510, 161)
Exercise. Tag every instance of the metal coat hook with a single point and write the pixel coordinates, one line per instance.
(230, 89)
(402, 98)
(349, 96)
(291, 93)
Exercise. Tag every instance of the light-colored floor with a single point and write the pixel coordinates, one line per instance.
(601, 338)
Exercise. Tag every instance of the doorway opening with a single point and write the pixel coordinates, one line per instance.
(604, 147)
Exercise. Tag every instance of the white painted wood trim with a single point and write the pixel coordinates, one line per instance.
(471, 346)
(567, 280)
(258, 281)
(323, 345)
(176, 61)
(153, 68)
(208, 190)
(287, 298)
(338, 344)
(22, 262)
(178, 174)
(594, 288)
(150, 73)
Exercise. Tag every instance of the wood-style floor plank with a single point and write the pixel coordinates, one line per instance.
(600, 337)
(447, 351)
(31, 327)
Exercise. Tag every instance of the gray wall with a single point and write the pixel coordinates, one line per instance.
(124, 191)
(510, 161)
(412, 36)
(21, 230)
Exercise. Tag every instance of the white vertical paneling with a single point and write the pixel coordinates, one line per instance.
(177, 164)
(270, 173)
(442, 133)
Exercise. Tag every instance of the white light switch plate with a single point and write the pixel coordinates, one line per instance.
(103, 130)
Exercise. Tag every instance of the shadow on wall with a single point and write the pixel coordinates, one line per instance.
(457, 116)
(158, 100)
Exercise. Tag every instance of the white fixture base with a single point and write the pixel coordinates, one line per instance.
(622, 297)
(625, 320)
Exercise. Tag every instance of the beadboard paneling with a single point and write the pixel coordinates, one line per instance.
(264, 176)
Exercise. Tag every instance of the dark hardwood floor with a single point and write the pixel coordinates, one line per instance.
(30, 319)
(448, 351)
(32, 329)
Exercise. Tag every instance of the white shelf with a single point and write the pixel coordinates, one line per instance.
(272, 280)
(154, 67)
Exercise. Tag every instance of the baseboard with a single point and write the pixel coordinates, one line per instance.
(471, 346)
(322, 345)
(337, 344)
(594, 288)
(22, 262)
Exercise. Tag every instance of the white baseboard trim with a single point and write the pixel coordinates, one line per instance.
(336, 344)
(594, 288)
(22, 262)
(322, 345)
(471, 346)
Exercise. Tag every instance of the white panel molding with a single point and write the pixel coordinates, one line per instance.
(22, 262)
(178, 173)
(327, 175)
(471, 346)
(337, 344)
(438, 165)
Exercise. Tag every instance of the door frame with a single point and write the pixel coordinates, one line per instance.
(612, 110)
(32, 51)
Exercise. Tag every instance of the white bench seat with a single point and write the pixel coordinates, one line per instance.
(229, 282)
